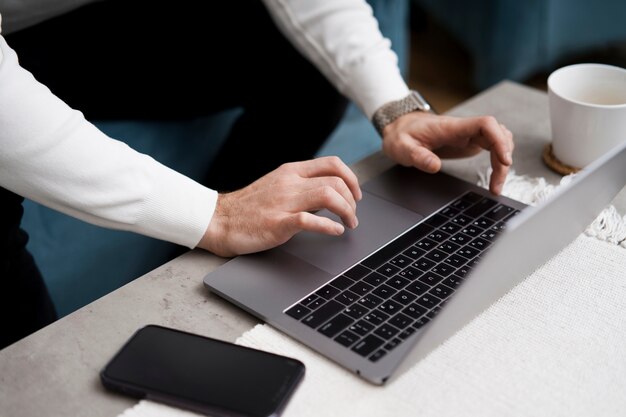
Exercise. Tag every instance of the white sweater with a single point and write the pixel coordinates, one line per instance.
(49, 153)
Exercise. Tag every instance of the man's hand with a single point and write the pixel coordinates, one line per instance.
(271, 210)
(419, 139)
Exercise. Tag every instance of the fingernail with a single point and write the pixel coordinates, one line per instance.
(355, 222)
(509, 157)
(339, 229)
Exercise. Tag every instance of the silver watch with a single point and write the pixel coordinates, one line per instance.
(392, 110)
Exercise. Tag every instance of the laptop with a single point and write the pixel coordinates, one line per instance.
(431, 253)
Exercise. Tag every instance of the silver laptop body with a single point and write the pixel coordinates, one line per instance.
(395, 203)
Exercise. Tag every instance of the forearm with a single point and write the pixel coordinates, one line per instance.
(51, 154)
(341, 37)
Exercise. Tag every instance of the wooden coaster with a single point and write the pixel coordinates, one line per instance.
(554, 164)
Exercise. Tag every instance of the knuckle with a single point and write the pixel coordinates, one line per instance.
(327, 192)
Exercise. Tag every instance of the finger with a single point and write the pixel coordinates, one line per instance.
(498, 175)
(487, 133)
(336, 182)
(330, 166)
(422, 158)
(310, 222)
(327, 197)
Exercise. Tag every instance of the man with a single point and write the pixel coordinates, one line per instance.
(51, 154)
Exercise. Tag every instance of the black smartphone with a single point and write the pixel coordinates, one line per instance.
(202, 374)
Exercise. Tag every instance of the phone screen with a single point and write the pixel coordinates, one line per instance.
(202, 374)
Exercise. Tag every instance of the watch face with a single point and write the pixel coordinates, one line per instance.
(421, 102)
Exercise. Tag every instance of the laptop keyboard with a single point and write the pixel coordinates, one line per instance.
(378, 303)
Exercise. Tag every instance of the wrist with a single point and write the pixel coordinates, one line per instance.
(390, 112)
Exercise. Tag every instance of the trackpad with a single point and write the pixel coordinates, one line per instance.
(379, 222)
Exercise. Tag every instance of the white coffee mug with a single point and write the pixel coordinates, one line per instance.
(587, 112)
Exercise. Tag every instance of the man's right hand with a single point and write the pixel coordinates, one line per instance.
(272, 209)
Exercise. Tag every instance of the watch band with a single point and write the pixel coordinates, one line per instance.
(392, 110)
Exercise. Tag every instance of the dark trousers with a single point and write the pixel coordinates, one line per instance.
(154, 59)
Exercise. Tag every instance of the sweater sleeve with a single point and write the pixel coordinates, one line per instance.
(49, 153)
(342, 38)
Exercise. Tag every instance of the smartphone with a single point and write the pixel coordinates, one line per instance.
(202, 374)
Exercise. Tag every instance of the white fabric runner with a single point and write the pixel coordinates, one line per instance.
(553, 346)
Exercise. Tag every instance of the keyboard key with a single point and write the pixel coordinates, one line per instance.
(441, 291)
(309, 299)
(370, 301)
(401, 261)
(298, 311)
(384, 291)
(438, 236)
(499, 212)
(388, 270)
(327, 292)
(357, 272)
(483, 223)
(430, 278)
(400, 321)
(361, 288)
(443, 269)
(356, 311)
(317, 303)
(452, 281)
(376, 317)
(347, 297)
(436, 255)
(472, 230)
(460, 239)
(414, 252)
(417, 287)
(461, 204)
(462, 220)
(450, 228)
(386, 331)
(480, 207)
(377, 355)
(449, 211)
(375, 279)
(368, 345)
(414, 310)
(335, 325)
(479, 244)
(406, 333)
(404, 297)
(397, 282)
(342, 282)
(449, 247)
(393, 343)
(421, 322)
(462, 271)
(424, 264)
(397, 246)
(347, 338)
(489, 235)
(390, 307)
(428, 301)
(468, 252)
(361, 327)
(498, 227)
(323, 314)
(455, 260)
(426, 244)
(410, 273)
